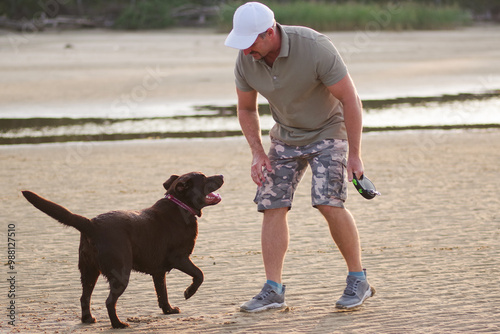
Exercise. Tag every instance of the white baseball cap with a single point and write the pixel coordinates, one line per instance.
(249, 20)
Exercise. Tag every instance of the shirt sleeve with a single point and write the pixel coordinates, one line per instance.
(241, 82)
(329, 64)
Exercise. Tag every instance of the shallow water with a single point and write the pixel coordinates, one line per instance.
(449, 111)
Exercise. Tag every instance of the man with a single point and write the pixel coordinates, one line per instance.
(317, 112)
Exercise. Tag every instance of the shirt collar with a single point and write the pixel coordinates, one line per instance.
(285, 45)
(285, 42)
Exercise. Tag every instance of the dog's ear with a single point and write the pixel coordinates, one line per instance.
(169, 182)
(182, 185)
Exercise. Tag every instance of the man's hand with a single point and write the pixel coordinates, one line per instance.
(260, 164)
(354, 165)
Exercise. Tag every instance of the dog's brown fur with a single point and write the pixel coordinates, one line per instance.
(153, 241)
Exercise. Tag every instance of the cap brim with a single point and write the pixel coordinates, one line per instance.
(239, 42)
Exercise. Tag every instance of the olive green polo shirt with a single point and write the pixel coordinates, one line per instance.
(296, 86)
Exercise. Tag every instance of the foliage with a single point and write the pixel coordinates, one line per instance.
(151, 14)
(325, 16)
(319, 14)
(18, 9)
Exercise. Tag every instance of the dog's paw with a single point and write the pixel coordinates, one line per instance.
(120, 325)
(171, 310)
(189, 292)
(89, 320)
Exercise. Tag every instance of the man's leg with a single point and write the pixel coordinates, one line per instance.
(274, 246)
(345, 234)
(274, 199)
(274, 239)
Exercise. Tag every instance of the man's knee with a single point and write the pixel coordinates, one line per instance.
(277, 212)
(328, 209)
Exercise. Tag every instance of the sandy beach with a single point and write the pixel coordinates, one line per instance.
(430, 242)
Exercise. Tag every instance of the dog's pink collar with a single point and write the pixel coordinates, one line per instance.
(179, 203)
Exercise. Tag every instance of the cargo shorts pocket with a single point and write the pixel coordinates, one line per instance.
(336, 181)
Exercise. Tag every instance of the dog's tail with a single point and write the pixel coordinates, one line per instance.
(58, 212)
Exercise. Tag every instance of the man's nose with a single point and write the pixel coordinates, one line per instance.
(246, 52)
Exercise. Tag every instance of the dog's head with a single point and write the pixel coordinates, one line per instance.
(195, 189)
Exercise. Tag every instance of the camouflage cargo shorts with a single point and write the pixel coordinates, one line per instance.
(327, 158)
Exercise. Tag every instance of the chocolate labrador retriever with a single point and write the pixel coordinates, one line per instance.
(153, 241)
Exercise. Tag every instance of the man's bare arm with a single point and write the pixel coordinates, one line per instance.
(248, 116)
(346, 93)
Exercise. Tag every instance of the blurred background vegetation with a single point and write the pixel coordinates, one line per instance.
(321, 15)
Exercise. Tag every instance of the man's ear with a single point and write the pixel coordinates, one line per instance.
(169, 182)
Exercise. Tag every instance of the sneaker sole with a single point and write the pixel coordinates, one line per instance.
(263, 308)
(368, 293)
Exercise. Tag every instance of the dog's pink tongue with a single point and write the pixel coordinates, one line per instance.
(213, 198)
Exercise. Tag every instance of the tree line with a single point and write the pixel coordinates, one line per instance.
(153, 14)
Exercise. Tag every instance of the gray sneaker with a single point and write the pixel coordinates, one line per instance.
(266, 299)
(355, 293)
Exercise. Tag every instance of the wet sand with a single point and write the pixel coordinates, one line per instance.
(127, 72)
(430, 242)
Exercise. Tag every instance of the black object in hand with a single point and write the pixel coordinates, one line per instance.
(365, 187)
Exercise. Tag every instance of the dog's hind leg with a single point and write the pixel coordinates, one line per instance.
(89, 273)
(89, 276)
(161, 293)
(187, 266)
(118, 281)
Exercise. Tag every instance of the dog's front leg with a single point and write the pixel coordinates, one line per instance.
(187, 266)
(161, 293)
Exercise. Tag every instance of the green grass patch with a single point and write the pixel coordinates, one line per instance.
(357, 16)
(150, 14)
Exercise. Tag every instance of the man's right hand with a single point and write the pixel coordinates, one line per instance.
(260, 165)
